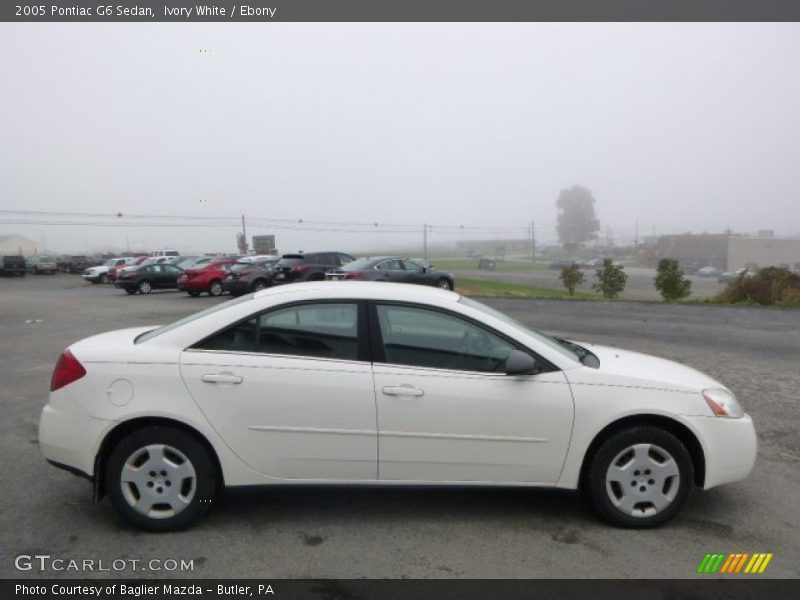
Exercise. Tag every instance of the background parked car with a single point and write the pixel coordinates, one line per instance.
(77, 263)
(708, 272)
(395, 269)
(113, 272)
(557, 265)
(99, 274)
(13, 265)
(249, 276)
(308, 267)
(729, 276)
(206, 279)
(44, 264)
(146, 278)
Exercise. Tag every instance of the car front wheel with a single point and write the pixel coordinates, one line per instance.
(145, 287)
(640, 477)
(444, 284)
(215, 289)
(160, 478)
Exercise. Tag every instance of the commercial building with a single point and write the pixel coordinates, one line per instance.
(729, 251)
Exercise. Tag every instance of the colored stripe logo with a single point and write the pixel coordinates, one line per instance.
(734, 563)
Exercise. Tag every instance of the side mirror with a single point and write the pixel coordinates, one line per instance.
(520, 363)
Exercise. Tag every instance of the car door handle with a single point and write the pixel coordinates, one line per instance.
(403, 390)
(221, 378)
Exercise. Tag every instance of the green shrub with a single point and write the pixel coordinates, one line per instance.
(571, 277)
(611, 279)
(670, 281)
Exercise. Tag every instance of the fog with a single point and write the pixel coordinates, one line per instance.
(683, 127)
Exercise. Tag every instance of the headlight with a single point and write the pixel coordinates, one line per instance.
(723, 404)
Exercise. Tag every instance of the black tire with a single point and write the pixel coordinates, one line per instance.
(259, 284)
(193, 294)
(215, 288)
(144, 287)
(444, 284)
(637, 480)
(200, 490)
(104, 279)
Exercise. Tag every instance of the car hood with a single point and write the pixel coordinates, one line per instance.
(625, 367)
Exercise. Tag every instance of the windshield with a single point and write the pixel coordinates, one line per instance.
(545, 339)
(360, 264)
(149, 335)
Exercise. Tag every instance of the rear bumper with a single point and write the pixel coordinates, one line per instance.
(730, 447)
(189, 286)
(235, 286)
(69, 438)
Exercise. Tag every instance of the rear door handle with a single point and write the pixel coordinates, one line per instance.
(403, 390)
(221, 378)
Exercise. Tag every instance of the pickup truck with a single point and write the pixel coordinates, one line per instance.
(13, 265)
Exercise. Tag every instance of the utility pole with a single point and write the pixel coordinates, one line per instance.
(425, 240)
(244, 235)
(636, 235)
(533, 241)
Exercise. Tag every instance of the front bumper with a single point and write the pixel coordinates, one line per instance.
(729, 445)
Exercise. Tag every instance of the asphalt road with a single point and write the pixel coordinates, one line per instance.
(351, 533)
(639, 285)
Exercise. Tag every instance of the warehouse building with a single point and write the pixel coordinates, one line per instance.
(728, 251)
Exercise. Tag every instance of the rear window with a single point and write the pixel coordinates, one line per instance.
(290, 262)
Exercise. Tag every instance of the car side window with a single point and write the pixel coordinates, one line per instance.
(394, 265)
(428, 338)
(345, 258)
(324, 330)
(383, 266)
(239, 338)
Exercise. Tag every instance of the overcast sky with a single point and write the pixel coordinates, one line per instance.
(688, 126)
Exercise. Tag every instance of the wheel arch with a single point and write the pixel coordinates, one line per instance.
(125, 428)
(676, 428)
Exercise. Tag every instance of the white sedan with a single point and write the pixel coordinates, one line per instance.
(382, 384)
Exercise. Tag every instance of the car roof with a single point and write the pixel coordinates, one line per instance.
(365, 290)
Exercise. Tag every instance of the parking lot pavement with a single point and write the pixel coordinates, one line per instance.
(638, 287)
(347, 532)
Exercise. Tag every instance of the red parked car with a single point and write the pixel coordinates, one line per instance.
(207, 279)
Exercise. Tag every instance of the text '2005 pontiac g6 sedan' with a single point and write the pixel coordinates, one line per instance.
(382, 384)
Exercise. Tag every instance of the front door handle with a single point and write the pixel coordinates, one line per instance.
(403, 390)
(221, 378)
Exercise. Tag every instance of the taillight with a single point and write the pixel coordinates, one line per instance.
(300, 268)
(67, 370)
(354, 275)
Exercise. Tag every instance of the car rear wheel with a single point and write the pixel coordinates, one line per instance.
(145, 287)
(259, 284)
(104, 279)
(160, 478)
(215, 289)
(444, 284)
(640, 477)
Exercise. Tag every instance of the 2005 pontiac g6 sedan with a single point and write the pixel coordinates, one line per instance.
(381, 383)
